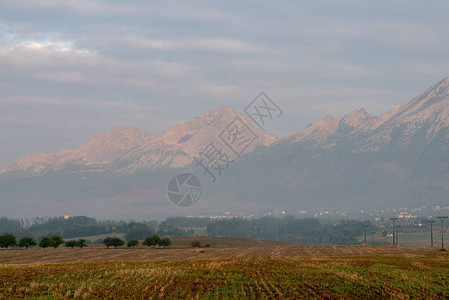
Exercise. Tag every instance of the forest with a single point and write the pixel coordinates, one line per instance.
(290, 229)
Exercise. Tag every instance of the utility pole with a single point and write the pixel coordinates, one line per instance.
(431, 231)
(397, 234)
(442, 230)
(394, 230)
(365, 226)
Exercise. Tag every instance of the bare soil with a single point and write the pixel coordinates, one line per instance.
(101, 254)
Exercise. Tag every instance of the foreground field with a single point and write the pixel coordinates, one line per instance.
(397, 276)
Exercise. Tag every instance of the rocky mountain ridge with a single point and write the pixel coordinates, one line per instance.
(424, 118)
(132, 150)
(396, 160)
(99, 150)
(128, 150)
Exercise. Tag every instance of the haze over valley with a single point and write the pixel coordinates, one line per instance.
(356, 163)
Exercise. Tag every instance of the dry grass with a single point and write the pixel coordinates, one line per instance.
(253, 272)
(226, 242)
(100, 254)
(382, 276)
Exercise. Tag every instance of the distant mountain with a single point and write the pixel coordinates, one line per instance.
(130, 150)
(330, 129)
(316, 133)
(100, 150)
(398, 159)
(177, 146)
(421, 120)
(351, 122)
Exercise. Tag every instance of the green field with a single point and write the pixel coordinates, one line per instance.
(408, 239)
(385, 276)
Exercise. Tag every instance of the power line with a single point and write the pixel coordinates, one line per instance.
(397, 234)
(372, 238)
(394, 230)
(442, 229)
(365, 226)
(431, 231)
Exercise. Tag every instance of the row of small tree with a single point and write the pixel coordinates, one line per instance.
(149, 241)
(8, 240)
(53, 241)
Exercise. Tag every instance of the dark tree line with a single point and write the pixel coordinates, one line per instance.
(187, 222)
(305, 231)
(153, 240)
(74, 227)
(8, 240)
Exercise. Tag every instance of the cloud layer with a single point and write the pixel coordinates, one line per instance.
(72, 69)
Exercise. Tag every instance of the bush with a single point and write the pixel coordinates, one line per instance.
(27, 242)
(113, 241)
(56, 241)
(166, 242)
(107, 242)
(70, 244)
(45, 242)
(151, 241)
(81, 243)
(132, 243)
(7, 240)
(196, 244)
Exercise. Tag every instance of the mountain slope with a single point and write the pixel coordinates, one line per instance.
(399, 159)
(418, 121)
(352, 121)
(177, 146)
(100, 150)
(128, 150)
(316, 133)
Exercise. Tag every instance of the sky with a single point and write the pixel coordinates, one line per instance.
(73, 69)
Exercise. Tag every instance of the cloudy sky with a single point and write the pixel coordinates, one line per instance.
(72, 69)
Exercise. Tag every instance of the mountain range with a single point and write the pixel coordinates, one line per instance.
(398, 159)
(128, 150)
